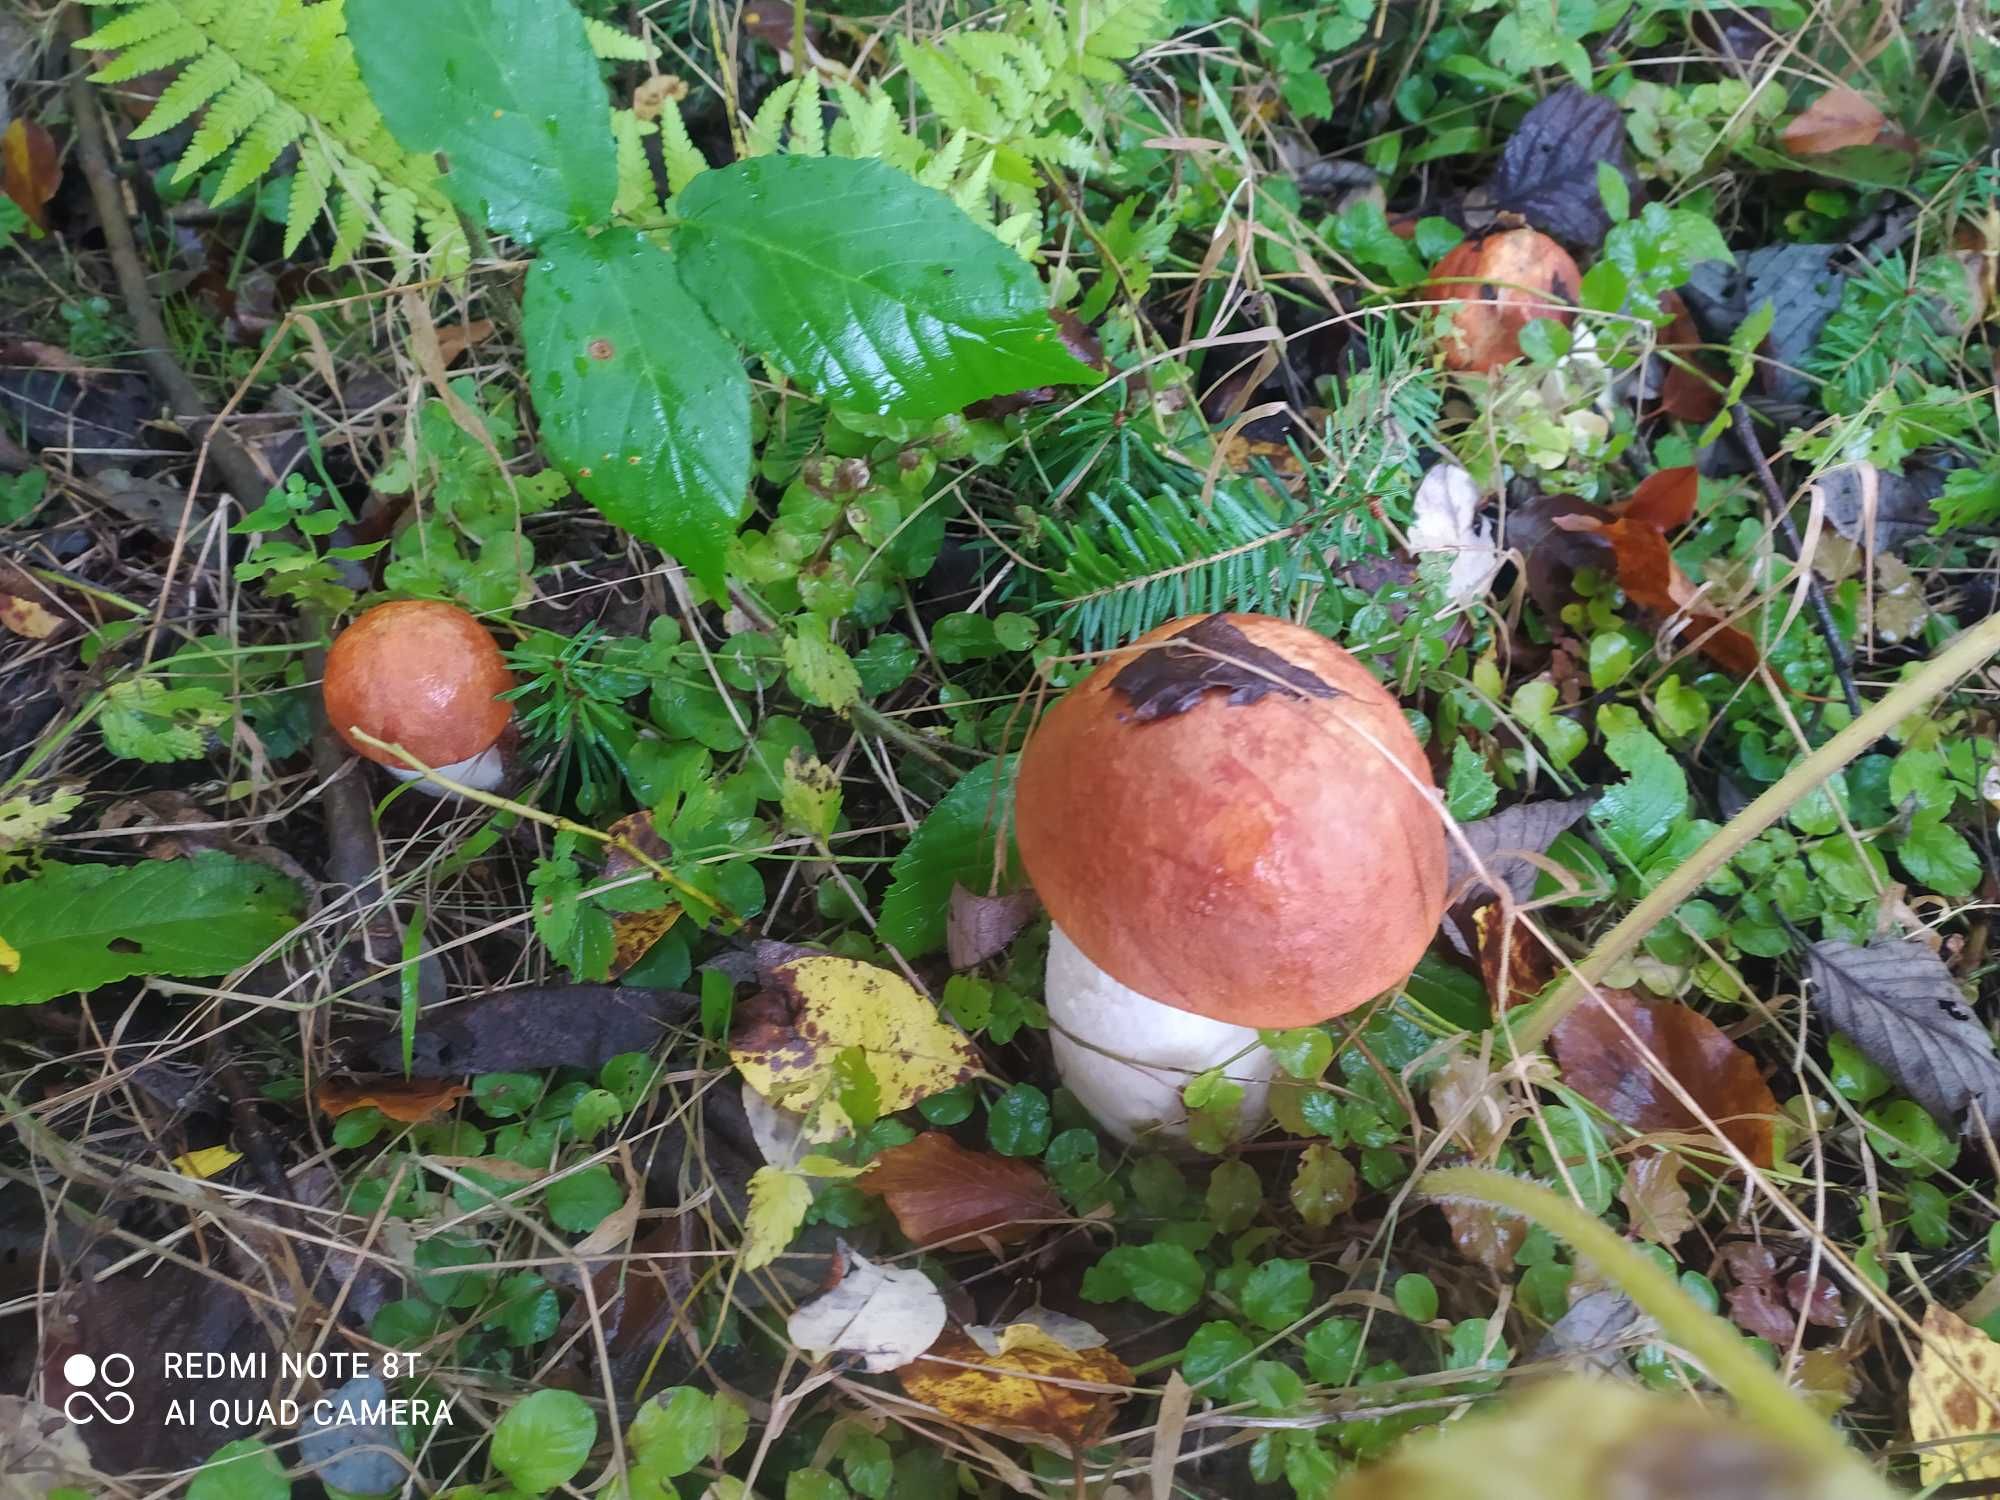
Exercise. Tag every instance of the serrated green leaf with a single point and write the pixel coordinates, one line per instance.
(509, 91)
(869, 289)
(642, 401)
(76, 927)
(953, 845)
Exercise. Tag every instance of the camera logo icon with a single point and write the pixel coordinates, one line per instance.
(114, 1372)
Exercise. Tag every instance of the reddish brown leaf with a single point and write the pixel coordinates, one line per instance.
(1484, 1235)
(1030, 1391)
(1500, 284)
(1654, 1199)
(455, 338)
(1664, 500)
(942, 1193)
(1637, 531)
(1684, 393)
(1602, 1063)
(411, 1101)
(30, 168)
(1837, 119)
(1817, 1299)
(1512, 960)
(1756, 1309)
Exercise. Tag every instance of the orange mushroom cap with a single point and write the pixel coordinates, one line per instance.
(1238, 824)
(1524, 275)
(419, 674)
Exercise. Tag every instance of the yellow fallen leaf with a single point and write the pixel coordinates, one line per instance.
(633, 934)
(778, 1204)
(27, 618)
(10, 957)
(207, 1162)
(1955, 1395)
(815, 1008)
(1035, 1391)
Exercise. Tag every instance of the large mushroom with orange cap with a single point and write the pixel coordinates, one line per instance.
(1233, 828)
(426, 676)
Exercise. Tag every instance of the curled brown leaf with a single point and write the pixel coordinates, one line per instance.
(943, 1194)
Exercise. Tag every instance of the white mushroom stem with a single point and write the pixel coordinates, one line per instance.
(1127, 1057)
(483, 772)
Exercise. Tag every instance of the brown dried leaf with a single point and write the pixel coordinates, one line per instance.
(455, 338)
(1600, 1061)
(1470, 1105)
(1955, 1401)
(942, 1193)
(1837, 119)
(30, 168)
(1484, 1235)
(1031, 1392)
(1512, 960)
(411, 1101)
(1684, 393)
(980, 926)
(1756, 1309)
(1654, 1199)
(1817, 1299)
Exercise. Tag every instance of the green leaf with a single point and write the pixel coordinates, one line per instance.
(580, 1201)
(820, 669)
(242, 1470)
(1278, 1293)
(544, 1439)
(1163, 1276)
(1213, 1349)
(527, 1312)
(953, 845)
(1940, 858)
(682, 1428)
(1469, 790)
(1018, 1123)
(1417, 1296)
(1637, 814)
(866, 287)
(509, 91)
(76, 927)
(642, 402)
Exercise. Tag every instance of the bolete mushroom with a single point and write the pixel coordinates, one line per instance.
(1232, 827)
(425, 676)
(1521, 275)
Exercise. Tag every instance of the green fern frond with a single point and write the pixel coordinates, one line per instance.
(683, 158)
(637, 197)
(610, 44)
(807, 124)
(268, 75)
(767, 126)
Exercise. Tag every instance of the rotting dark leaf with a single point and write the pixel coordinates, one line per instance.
(1168, 680)
(945, 1195)
(1501, 840)
(169, 1306)
(980, 926)
(1554, 552)
(1547, 176)
(1898, 1003)
(1902, 502)
(1755, 1308)
(555, 1026)
(1602, 1063)
(1803, 288)
(1591, 1332)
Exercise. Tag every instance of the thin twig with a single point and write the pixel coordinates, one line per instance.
(1781, 516)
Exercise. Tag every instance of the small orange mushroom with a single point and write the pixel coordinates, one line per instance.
(428, 677)
(1501, 283)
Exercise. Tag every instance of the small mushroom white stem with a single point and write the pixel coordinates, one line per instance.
(484, 772)
(1127, 1057)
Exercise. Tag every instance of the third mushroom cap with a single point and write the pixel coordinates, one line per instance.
(1233, 827)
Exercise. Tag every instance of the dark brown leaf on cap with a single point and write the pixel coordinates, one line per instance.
(1216, 656)
(1605, 1065)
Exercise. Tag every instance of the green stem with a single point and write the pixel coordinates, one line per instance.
(1758, 1390)
(1964, 653)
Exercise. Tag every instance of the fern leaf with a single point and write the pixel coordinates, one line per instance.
(612, 45)
(808, 124)
(161, 51)
(136, 26)
(396, 207)
(233, 112)
(971, 192)
(637, 195)
(943, 167)
(308, 201)
(350, 227)
(991, 59)
(202, 79)
(684, 159)
(950, 89)
(262, 144)
(767, 126)
(869, 120)
(1117, 29)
